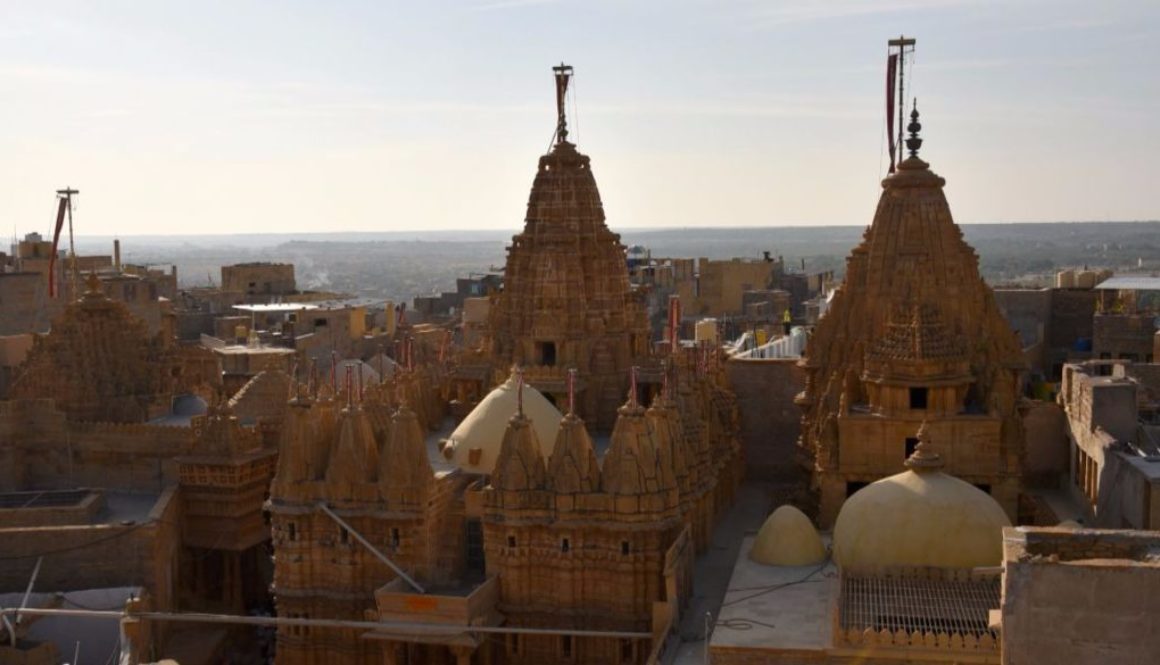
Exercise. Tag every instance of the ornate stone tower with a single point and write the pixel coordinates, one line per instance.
(566, 301)
(913, 334)
(352, 485)
(99, 363)
(223, 486)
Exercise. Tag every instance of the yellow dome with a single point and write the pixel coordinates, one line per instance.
(788, 538)
(475, 444)
(921, 517)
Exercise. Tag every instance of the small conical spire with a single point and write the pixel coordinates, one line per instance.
(520, 464)
(563, 74)
(923, 458)
(914, 142)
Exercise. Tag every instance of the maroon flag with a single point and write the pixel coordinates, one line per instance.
(891, 68)
(56, 239)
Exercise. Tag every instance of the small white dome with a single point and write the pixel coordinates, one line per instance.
(475, 444)
(788, 538)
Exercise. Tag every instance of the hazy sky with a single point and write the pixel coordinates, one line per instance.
(217, 117)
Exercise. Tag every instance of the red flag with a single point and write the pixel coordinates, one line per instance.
(891, 68)
(55, 239)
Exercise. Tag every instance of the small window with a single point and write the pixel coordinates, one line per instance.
(918, 398)
(319, 323)
(566, 646)
(565, 546)
(343, 536)
(547, 353)
(293, 531)
(624, 549)
(627, 652)
(395, 537)
(513, 644)
(911, 444)
(511, 542)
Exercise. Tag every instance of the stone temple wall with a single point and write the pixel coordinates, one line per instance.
(770, 422)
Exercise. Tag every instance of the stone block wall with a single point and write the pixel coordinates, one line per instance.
(770, 422)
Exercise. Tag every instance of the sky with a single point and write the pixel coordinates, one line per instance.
(293, 116)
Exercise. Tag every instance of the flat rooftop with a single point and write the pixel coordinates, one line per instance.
(1130, 284)
(774, 608)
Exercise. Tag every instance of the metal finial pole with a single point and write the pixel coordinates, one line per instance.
(632, 385)
(74, 268)
(666, 368)
(571, 391)
(334, 370)
(520, 392)
(902, 43)
(349, 388)
(563, 73)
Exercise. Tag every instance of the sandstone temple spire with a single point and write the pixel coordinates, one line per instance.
(912, 335)
(566, 300)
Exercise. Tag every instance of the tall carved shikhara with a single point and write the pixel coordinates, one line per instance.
(566, 301)
(913, 334)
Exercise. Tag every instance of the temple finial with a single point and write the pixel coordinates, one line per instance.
(914, 142)
(563, 74)
(923, 458)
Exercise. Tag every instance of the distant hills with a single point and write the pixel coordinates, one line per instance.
(402, 264)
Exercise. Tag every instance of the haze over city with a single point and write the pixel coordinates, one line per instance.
(300, 117)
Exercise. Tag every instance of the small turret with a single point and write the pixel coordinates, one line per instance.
(355, 457)
(572, 467)
(405, 473)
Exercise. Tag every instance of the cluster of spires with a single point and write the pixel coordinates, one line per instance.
(649, 453)
(362, 452)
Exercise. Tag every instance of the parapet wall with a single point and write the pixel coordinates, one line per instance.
(1081, 597)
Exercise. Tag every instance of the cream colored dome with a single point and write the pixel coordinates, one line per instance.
(474, 445)
(788, 538)
(921, 517)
